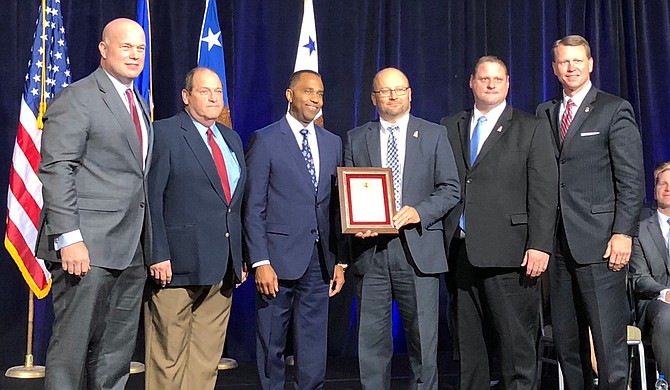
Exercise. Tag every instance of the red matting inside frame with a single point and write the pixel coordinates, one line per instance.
(387, 215)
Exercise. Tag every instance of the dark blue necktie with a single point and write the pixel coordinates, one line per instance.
(307, 154)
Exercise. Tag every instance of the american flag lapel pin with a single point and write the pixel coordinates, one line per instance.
(587, 109)
(416, 134)
(499, 129)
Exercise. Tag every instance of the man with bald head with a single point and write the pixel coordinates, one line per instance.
(94, 233)
(404, 266)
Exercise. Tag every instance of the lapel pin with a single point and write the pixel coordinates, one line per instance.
(499, 129)
(587, 109)
(416, 134)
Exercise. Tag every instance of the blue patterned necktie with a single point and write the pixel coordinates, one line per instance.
(393, 162)
(307, 154)
(474, 151)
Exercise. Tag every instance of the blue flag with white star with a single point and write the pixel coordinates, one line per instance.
(210, 53)
(144, 81)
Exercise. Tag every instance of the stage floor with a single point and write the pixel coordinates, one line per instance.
(342, 374)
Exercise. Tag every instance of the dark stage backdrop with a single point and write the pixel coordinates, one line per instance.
(435, 42)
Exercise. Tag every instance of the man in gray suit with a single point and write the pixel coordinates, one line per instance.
(94, 235)
(601, 188)
(404, 266)
(650, 268)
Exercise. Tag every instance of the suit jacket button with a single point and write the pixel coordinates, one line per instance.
(230, 210)
(227, 234)
(141, 205)
(468, 181)
(562, 185)
(562, 161)
(313, 231)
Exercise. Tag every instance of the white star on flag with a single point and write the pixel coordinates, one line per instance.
(212, 39)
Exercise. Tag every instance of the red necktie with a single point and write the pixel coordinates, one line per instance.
(220, 164)
(566, 120)
(136, 117)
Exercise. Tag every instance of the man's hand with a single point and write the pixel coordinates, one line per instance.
(535, 262)
(366, 234)
(75, 259)
(337, 282)
(405, 216)
(245, 273)
(161, 272)
(266, 280)
(618, 251)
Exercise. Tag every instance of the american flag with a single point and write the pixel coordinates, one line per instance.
(48, 73)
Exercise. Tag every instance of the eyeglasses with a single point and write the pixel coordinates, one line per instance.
(386, 92)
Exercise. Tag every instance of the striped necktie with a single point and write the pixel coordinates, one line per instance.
(566, 119)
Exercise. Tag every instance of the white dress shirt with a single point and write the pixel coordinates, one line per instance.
(487, 127)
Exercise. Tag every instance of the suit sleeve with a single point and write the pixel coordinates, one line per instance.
(256, 198)
(66, 129)
(542, 195)
(644, 285)
(447, 187)
(158, 177)
(625, 147)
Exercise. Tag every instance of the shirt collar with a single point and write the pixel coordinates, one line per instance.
(202, 129)
(579, 96)
(296, 126)
(119, 86)
(493, 114)
(402, 123)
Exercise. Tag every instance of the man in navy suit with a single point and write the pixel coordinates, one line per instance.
(404, 266)
(288, 213)
(650, 267)
(196, 187)
(601, 189)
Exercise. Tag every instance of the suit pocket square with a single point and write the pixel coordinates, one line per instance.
(589, 134)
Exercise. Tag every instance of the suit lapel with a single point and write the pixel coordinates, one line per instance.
(146, 114)
(294, 152)
(581, 115)
(202, 153)
(412, 141)
(657, 237)
(324, 175)
(372, 141)
(464, 133)
(498, 131)
(118, 108)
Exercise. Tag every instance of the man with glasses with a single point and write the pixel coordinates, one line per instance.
(404, 266)
(502, 232)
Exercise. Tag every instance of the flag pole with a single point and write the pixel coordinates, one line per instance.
(28, 370)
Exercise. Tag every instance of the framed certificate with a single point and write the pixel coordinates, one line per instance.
(367, 200)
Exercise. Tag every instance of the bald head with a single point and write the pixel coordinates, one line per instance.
(122, 50)
(391, 94)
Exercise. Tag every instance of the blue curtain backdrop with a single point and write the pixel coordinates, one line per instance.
(435, 42)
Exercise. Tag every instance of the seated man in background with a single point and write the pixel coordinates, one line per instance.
(651, 273)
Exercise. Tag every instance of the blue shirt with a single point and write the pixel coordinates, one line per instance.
(232, 166)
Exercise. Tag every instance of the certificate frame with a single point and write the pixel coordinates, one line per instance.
(362, 210)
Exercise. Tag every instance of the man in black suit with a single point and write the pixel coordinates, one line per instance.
(196, 186)
(404, 266)
(601, 188)
(502, 231)
(650, 268)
